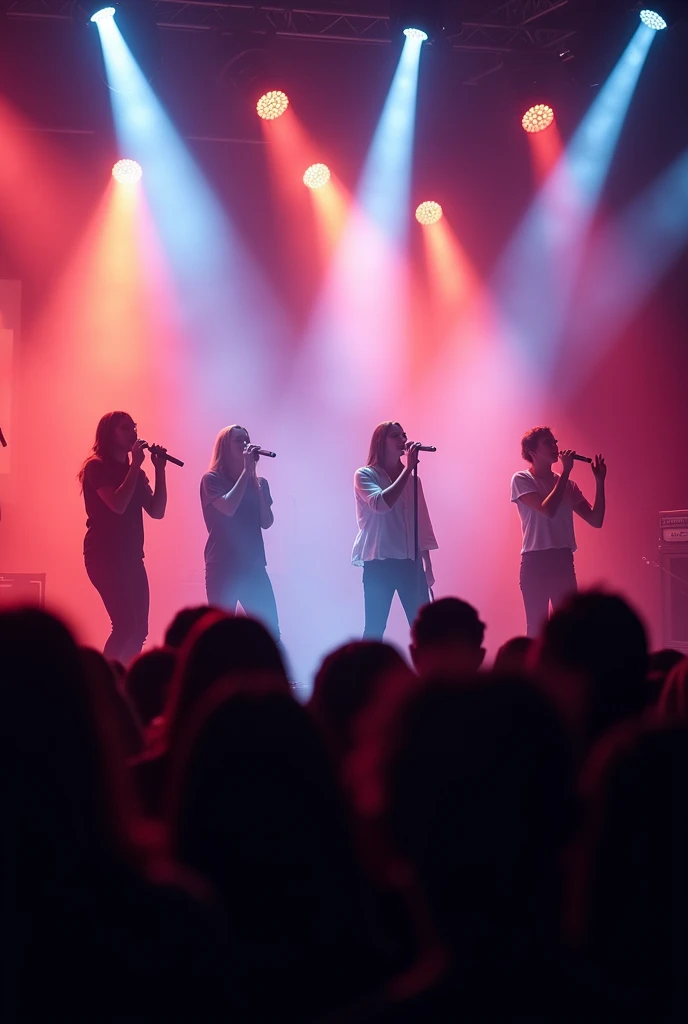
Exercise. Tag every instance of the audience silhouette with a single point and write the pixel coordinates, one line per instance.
(593, 660)
(347, 682)
(97, 926)
(447, 635)
(254, 807)
(187, 842)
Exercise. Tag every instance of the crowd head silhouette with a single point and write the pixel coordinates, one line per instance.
(428, 838)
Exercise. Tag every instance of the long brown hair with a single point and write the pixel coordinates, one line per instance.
(219, 461)
(105, 438)
(376, 454)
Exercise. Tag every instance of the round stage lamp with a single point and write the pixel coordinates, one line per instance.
(272, 104)
(317, 175)
(537, 118)
(127, 172)
(102, 15)
(653, 20)
(416, 33)
(429, 213)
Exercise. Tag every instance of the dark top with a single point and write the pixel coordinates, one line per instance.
(235, 542)
(107, 532)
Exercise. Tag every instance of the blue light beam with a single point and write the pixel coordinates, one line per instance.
(626, 264)
(535, 280)
(218, 286)
(384, 192)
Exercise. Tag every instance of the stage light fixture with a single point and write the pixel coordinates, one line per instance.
(127, 172)
(272, 104)
(416, 33)
(316, 176)
(537, 118)
(429, 213)
(419, 20)
(102, 14)
(653, 20)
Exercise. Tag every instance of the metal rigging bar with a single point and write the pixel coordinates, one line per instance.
(514, 26)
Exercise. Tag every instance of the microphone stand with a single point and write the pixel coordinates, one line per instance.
(416, 547)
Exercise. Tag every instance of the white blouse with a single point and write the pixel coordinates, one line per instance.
(385, 532)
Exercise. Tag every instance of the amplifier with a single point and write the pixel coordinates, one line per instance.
(673, 564)
(673, 527)
(22, 588)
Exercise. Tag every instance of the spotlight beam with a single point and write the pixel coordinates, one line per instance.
(218, 283)
(544, 257)
(385, 188)
(627, 261)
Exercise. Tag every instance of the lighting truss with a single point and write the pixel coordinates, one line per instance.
(515, 26)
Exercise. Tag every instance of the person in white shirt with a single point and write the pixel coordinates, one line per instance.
(546, 502)
(385, 546)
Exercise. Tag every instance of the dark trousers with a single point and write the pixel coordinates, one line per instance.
(123, 586)
(252, 590)
(545, 576)
(381, 578)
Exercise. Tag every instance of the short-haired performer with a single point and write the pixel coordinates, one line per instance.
(385, 544)
(546, 502)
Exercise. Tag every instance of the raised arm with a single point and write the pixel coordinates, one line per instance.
(594, 514)
(117, 498)
(228, 503)
(382, 501)
(158, 502)
(549, 505)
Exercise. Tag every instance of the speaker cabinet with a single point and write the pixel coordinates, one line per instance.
(22, 588)
(674, 573)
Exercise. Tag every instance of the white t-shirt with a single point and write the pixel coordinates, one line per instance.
(385, 532)
(539, 532)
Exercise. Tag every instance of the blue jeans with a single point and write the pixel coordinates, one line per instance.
(251, 589)
(381, 578)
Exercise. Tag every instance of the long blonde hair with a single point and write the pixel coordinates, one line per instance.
(219, 462)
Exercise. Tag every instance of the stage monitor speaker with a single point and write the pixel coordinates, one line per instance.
(22, 588)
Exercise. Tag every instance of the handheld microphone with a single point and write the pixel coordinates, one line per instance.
(266, 455)
(581, 458)
(421, 448)
(168, 458)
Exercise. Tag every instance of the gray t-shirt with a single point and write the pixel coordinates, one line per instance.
(236, 542)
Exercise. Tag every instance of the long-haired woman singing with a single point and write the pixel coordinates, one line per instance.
(116, 490)
(237, 507)
(385, 545)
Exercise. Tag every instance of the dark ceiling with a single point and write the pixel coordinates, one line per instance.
(492, 31)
